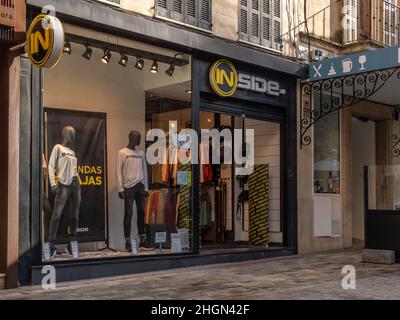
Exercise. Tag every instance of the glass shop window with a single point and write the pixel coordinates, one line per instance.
(326, 147)
(102, 197)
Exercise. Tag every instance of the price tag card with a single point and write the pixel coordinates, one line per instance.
(184, 235)
(161, 237)
(134, 247)
(176, 243)
(46, 251)
(183, 178)
(75, 249)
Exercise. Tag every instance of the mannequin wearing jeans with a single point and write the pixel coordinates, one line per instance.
(63, 164)
(132, 186)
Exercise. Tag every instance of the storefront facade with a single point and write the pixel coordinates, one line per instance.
(114, 84)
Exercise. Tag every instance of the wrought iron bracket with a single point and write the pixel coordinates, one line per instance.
(343, 92)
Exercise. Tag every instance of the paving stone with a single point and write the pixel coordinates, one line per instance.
(312, 276)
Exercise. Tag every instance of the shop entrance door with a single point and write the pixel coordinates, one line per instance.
(242, 212)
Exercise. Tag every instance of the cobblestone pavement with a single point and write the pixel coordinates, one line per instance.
(314, 276)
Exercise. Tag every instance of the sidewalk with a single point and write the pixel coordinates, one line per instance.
(314, 276)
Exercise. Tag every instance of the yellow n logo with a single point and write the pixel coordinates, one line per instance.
(222, 77)
(38, 39)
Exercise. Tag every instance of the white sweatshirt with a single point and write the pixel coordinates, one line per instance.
(62, 164)
(131, 169)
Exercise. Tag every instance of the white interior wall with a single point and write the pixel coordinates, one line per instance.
(363, 154)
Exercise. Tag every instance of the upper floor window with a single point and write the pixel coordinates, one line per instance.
(260, 22)
(193, 12)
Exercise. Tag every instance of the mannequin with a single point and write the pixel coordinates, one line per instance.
(133, 186)
(63, 164)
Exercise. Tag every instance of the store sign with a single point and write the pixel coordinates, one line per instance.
(223, 78)
(225, 81)
(7, 13)
(45, 41)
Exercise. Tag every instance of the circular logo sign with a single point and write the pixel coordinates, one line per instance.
(223, 78)
(45, 41)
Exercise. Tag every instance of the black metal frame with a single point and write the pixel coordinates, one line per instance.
(362, 87)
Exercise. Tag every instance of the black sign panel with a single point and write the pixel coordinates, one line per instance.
(90, 150)
(261, 86)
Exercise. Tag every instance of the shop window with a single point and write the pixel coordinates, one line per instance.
(100, 189)
(327, 148)
(193, 12)
(260, 22)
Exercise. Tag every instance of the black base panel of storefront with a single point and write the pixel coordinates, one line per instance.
(74, 271)
(382, 231)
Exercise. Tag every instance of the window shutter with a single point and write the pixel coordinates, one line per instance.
(266, 23)
(162, 8)
(255, 21)
(277, 12)
(351, 11)
(205, 14)
(244, 20)
(191, 10)
(177, 12)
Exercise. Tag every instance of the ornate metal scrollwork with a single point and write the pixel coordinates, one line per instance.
(327, 96)
(395, 145)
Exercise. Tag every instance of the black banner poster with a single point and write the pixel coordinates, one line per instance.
(90, 150)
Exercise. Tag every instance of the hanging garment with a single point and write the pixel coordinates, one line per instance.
(259, 206)
(170, 211)
(205, 210)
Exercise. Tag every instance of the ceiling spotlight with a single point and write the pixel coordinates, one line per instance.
(107, 56)
(88, 53)
(67, 48)
(139, 63)
(189, 91)
(154, 67)
(124, 60)
(170, 71)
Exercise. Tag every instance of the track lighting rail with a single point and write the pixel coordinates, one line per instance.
(94, 43)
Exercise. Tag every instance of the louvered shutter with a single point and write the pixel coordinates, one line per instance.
(177, 10)
(244, 19)
(255, 27)
(351, 12)
(191, 12)
(205, 14)
(162, 8)
(277, 25)
(266, 23)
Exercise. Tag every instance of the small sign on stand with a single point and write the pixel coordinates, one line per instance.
(176, 243)
(75, 249)
(46, 251)
(161, 237)
(134, 247)
(184, 236)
